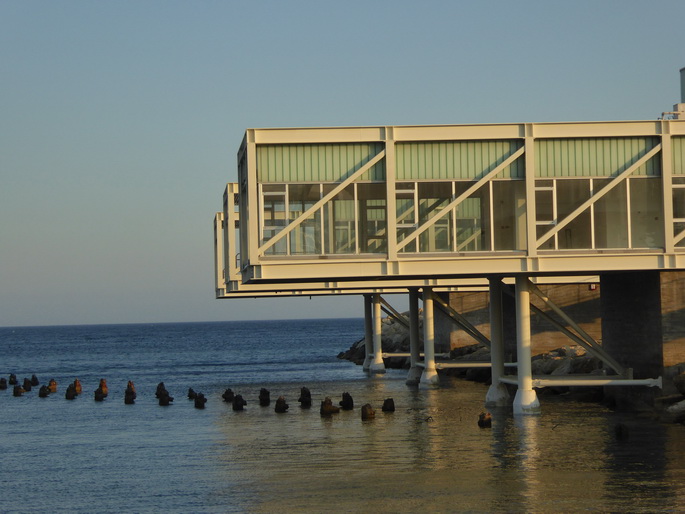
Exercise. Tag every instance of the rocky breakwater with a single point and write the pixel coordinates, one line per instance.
(394, 338)
(564, 361)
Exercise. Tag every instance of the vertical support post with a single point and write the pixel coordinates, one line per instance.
(526, 400)
(529, 160)
(377, 365)
(368, 333)
(414, 375)
(251, 224)
(391, 199)
(429, 375)
(667, 186)
(497, 395)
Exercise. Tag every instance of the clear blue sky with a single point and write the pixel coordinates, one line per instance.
(120, 121)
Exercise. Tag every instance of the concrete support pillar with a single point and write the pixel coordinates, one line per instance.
(430, 375)
(377, 365)
(368, 332)
(632, 333)
(497, 395)
(526, 400)
(414, 375)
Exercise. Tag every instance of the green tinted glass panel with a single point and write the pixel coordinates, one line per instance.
(594, 157)
(317, 162)
(678, 149)
(456, 160)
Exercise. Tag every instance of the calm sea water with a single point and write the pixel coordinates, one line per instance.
(430, 455)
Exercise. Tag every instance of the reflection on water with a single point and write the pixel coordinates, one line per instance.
(430, 454)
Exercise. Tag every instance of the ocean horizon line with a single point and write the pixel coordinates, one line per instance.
(139, 323)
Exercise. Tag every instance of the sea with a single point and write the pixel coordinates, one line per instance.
(430, 455)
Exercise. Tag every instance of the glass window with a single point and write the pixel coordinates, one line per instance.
(306, 237)
(433, 198)
(540, 231)
(473, 219)
(339, 221)
(371, 199)
(544, 205)
(273, 217)
(570, 195)
(509, 210)
(611, 216)
(679, 228)
(679, 202)
(405, 205)
(646, 219)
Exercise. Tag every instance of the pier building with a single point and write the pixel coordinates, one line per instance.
(434, 210)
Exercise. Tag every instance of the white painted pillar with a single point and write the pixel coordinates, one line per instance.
(377, 365)
(526, 400)
(497, 395)
(429, 375)
(368, 332)
(414, 375)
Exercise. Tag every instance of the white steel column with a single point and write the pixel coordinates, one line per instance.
(368, 333)
(414, 375)
(376, 365)
(430, 375)
(526, 400)
(497, 395)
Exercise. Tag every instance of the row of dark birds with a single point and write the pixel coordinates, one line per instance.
(237, 401)
(74, 389)
(305, 401)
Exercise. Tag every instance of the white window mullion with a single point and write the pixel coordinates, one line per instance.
(454, 218)
(592, 216)
(630, 231)
(356, 221)
(321, 220)
(492, 217)
(286, 215)
(555, 212)
(261, 214)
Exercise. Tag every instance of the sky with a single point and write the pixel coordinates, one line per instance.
(120, 121)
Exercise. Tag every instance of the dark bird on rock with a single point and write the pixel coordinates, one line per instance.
(347, 403)
(200, 401)
(239, 402)
(388, 405)
(327, 407)
(264, 397)
(71, 393)
(305, 398)
(368, 412)
(130, 394)
(228, 396)
(281, 406)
